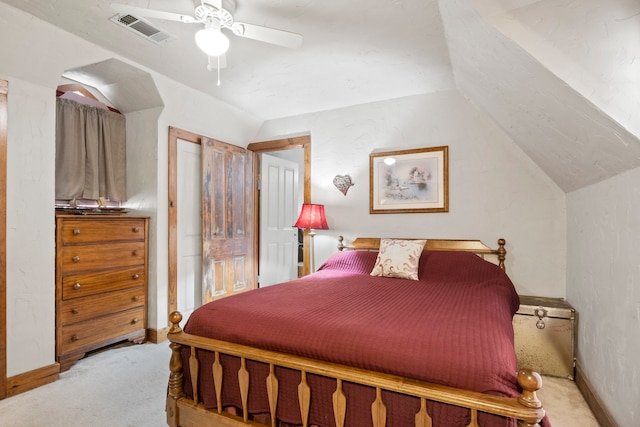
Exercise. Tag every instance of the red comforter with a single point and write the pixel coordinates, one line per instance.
(452, 326)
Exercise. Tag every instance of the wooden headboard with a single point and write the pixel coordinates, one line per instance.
(474, 246)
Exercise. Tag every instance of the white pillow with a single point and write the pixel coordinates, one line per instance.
(398, 258)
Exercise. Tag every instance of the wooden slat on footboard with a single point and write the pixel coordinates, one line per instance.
(183, 412)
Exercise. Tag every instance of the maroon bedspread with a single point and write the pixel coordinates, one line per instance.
(453, 327)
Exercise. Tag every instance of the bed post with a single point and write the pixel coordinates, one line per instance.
(502, 253)
(175, 390)
(530, 382)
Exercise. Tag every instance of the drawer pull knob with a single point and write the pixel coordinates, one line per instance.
(136, 229)
(75, 337)
(134, 321)
(136, 298)
(77, 286)
(76, 231)
(75, 311)
(136, 276)
(135, 252)
(75, 259)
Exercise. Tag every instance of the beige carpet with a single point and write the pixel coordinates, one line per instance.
(564, 403)
(121, 387)
(126, 386)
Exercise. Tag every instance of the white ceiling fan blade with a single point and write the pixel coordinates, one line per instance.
(267, 35)
(151, 13)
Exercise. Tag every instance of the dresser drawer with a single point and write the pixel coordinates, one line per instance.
(82, 285)
(81, 309)
(82, 335)
(91, 257)
(101, 230)
(101, 282)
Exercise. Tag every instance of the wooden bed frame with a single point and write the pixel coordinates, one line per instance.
(185, 412)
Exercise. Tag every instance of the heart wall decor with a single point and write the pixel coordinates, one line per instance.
(342, 183)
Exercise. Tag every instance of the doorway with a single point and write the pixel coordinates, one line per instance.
(278, 145)
(175, 134)
(279, 196)
(189, 228)
(177, 137)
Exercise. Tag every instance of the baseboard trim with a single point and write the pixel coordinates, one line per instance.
(157, 336)
(32, 379)
(590, 396)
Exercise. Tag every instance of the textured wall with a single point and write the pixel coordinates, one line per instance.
(30, 227)
(590, 44)
(565, 134)
(33, 70)
(495, 189)
(603, 284)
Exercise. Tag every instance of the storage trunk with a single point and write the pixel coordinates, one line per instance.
(545, 336)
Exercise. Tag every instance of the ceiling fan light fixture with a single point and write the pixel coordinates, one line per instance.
(212, 42)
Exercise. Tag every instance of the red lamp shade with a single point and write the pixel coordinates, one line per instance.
(312, 216)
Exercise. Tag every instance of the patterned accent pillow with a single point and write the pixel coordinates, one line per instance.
(398, 258)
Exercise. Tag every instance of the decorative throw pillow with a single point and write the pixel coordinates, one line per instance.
(398, 258)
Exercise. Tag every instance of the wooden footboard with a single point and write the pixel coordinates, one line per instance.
(185, 412)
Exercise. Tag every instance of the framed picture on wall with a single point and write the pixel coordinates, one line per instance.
(409, 181)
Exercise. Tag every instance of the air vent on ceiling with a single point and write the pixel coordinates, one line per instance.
(143, 28)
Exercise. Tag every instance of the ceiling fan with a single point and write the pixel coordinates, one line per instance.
(217, 15)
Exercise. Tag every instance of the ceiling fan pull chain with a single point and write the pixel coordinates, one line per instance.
(210, 67)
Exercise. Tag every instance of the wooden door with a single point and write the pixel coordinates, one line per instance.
(227, 220)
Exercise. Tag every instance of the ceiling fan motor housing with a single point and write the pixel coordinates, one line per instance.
(208, 10)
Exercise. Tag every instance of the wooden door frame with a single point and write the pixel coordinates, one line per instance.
(258, 148)
(4, 92)
(303, 142)
(172, 292)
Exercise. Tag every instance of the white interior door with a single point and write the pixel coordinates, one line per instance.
(189, 228)
(278, 212)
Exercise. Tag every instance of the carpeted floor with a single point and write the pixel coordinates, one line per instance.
(126, 386)
(122, 387)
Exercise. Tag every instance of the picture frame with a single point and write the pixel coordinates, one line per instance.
(409, 181)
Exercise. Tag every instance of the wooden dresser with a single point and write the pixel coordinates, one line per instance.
(101, 283)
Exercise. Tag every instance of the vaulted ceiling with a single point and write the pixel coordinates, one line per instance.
(561, 77)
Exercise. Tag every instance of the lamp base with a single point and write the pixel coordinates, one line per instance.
(312, 254)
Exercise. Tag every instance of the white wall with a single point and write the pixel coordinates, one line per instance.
(30, 226)
(590, 44)
(33, 69)
(495, 190)
(565, 134)
(603, 284)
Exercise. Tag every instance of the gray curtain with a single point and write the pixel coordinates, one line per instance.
(90, 152)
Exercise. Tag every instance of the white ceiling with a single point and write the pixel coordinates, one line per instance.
(353, 51)
(560, 77)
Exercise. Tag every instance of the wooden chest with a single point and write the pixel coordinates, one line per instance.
(545, 336)
(101, 283)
